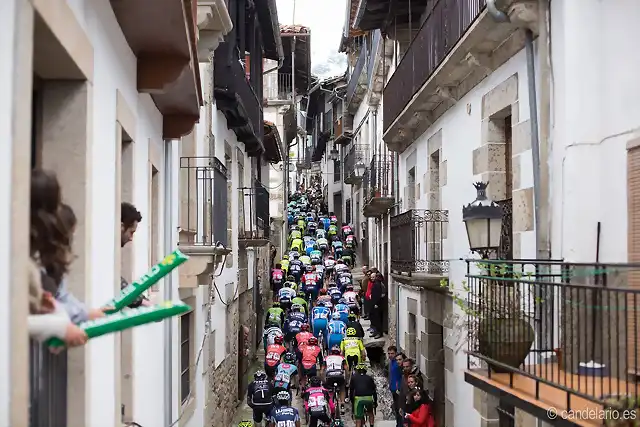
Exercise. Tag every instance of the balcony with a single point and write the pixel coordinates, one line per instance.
(255, 223)
(551, 334)
(163, 36)
(417, 246)
(359, 153)
(358, 81)
(203, 218)
(237, 99)
(214, 23)
(377, 186)
(278, 88)
(457, 46)
(47, 387)
(343, 129)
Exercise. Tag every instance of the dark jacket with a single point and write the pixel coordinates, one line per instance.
(404, 387)
(357, 326)
(378, 292)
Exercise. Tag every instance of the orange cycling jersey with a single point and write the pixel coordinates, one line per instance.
(310, 356)
(274, 353)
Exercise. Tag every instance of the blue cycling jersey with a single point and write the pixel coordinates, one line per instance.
(283, 375)
(337, 244)
(320, 313)
(337, 327)
(341, 308)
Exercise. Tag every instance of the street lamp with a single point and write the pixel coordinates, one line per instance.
(333, 154)
(358, 169)
(483, 219)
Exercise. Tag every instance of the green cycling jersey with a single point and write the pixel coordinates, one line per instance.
(274, 315)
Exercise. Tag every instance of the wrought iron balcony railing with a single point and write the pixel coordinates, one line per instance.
(358, 155)
(47, 387)
(278, 87)
(446, 23)
(416, 242)
(255, 224)
(379, 178)
(568, 330)
(204, 201)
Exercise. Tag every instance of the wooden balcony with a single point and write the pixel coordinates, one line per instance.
(377, 186)
(555, 336)
(457, 46)
(343, 129)
(255, 222)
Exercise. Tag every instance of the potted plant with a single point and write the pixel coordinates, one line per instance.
(495, 321)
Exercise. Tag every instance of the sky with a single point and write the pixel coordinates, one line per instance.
(325, 19)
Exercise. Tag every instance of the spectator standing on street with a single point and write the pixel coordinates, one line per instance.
(376, 296)
(395, 381)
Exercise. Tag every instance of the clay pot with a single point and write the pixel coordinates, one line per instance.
(507, 341)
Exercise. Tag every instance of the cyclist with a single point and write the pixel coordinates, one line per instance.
(316, 255)
(329, 264)
(320, 319)
(346, 230)
(317, 403)
(326, 222)
(348, 256)
(273, 355)
(350, 241)
(353, 348)
(333, 218)
(364, 395)
(335, 367)
(295, 267)
(341, 267)
(320, 273)
(291, 282)
(334, 293)
(332, 232)
(336, 247)
(311, 356)
(294, 321)
(295, 234)
(309, 246)
(259, 396)
(285, 295)
(355, 324)
(321, 234)
(300, 299)
(302, 339)
(310, 283)
(297, 245)
(336, 330)
(275, 315)
(351, 297)
(323, 297)
(342, 309)
(277, 278)
(344, 279)
(286, 372)
(312, 226)
(284, 415)
(270, 334)
(284, 263)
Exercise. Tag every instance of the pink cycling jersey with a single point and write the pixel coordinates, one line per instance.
(317, 398)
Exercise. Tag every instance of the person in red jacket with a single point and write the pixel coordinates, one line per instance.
(418, 412)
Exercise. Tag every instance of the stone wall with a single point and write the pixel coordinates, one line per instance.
(223, 380)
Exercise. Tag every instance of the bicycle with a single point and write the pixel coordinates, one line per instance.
(335, 390)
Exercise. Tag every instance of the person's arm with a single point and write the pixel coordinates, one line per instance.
(249, 394)
(41, 327)
(76, 310)
(420, 417)
(375, 392)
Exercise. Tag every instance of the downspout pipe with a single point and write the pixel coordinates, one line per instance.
(496, 14)
(168, 285)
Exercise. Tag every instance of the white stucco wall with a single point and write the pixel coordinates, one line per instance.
(7, 45)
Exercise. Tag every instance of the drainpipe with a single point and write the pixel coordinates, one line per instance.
(168, 285)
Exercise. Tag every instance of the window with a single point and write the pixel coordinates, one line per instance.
(186, 353)
(336, 170)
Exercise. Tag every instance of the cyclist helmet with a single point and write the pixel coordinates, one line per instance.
(351, 332)
(260, 375)
(312, 341)
(362, 368)
(349, 288)
(335, 350)
(342, 301)
(285, 256)
(352, 317)
(283, 398)
(245, 423)
(323, 291)
(296, 255)
(276, 304)
(301, 294)
(286, 285)
(335, 316)
(315, 382)
(304, 327)
(321, 304)
(330, 257)
(289, 358)
(278, 339)
(297, 307)
(339, 261)
(290, 278)
(309, 268)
